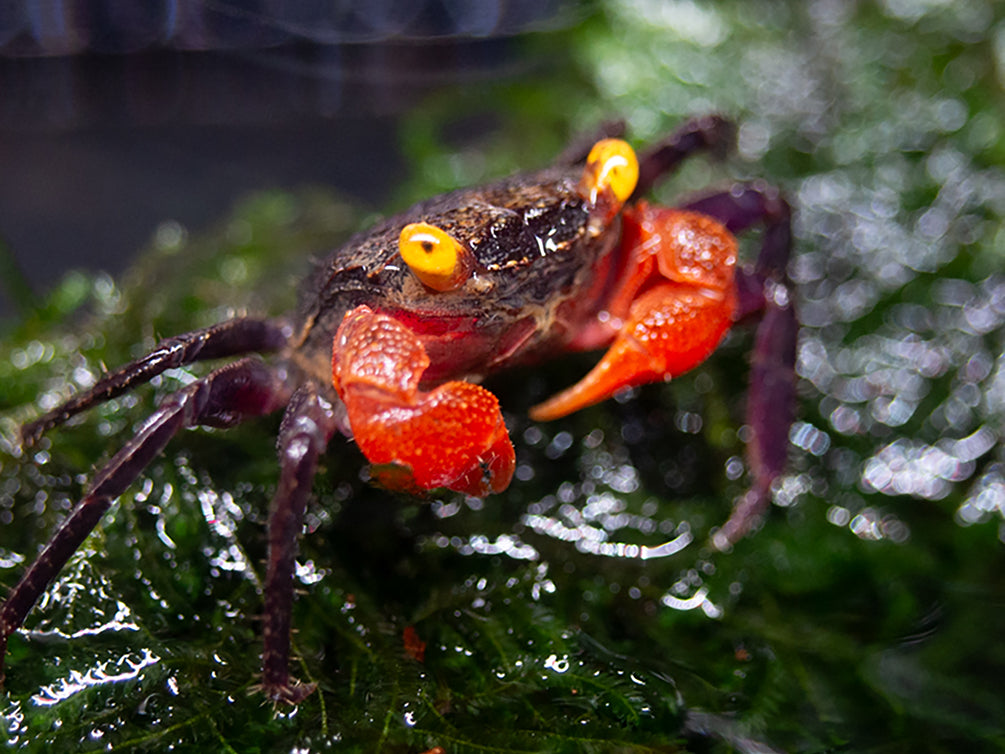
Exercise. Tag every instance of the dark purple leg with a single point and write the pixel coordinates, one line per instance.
(236, 336)
(308, 426)
(764, 292)
(222, 398)
(711, 133)
(579, 148)
(771, 404)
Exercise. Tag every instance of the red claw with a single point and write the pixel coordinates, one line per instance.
(674, 307)
(452, 436)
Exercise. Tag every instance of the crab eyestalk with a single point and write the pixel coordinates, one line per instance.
(611, 168)
(437, 259)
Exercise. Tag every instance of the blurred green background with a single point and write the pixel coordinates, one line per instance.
(865, 615)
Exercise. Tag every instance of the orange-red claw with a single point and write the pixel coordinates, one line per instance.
(453, 436)
(670, 331)
(685, 310)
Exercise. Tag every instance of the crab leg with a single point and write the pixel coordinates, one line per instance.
(713, 133)
(222, 398)
(453, 436)
(764, 292)
(771, 402)
(308, 426)
(236, 336)
(673, 309)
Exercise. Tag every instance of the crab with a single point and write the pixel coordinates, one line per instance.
(395, 330)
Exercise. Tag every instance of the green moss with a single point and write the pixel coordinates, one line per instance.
(859, 617)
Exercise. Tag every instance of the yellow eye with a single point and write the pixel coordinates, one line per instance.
(612, 164)
(434, 257)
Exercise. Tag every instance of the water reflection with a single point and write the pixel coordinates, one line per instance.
(121, 620)
(125, 668)
(986, 500)
(697, 600)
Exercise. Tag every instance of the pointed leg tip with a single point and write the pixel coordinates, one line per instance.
(292, 692)
(747, 515)
(30, 434)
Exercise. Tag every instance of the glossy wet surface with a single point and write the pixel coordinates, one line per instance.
(583, 608)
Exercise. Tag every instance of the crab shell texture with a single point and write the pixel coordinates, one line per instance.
(542, 266)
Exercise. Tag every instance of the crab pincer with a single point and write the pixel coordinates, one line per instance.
(669, 314)
(452, 436)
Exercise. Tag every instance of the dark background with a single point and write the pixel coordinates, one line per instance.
(115, 117)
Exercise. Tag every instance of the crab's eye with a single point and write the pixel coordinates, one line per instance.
(612, 164)
(434, 257)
